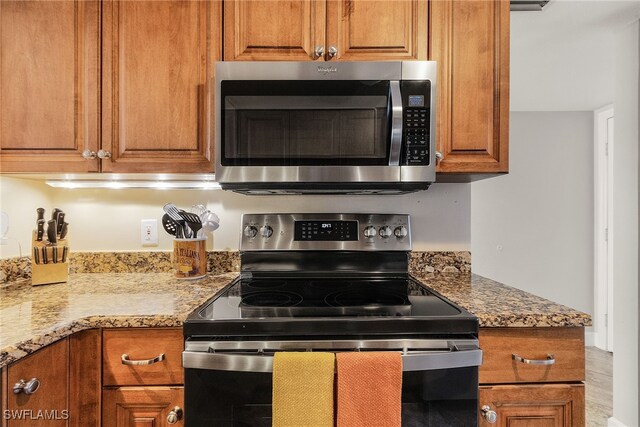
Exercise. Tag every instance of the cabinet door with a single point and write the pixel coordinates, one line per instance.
(376, 30)
(141, 406)
(549, 405)
(158, 59)
(470, 41)
(49, 96)
(48, 405)
(273, 30)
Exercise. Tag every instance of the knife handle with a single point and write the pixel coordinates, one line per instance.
(36, 255)
(55, 254)
(63, 230)
(52, 228)
(55, 212)
(65, 249)
(40, 231)
(45, 258)
(40, 212)
(60, 222)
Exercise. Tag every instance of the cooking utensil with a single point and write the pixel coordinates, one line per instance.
(55, 254)
(45, 258)
(173, 211)
(63, 230)
(60, 222)
(36, 255)
(170, 225)
(40, 212)
(40, 230)
(193, 222)
(210, 223)
(52, 234)
(65, 249)
(198, 209)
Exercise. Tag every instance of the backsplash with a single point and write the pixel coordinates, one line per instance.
(218, 262)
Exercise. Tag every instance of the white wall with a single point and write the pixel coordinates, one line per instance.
(19, 199)
(533, 228)
(109, 220)
(625, 221)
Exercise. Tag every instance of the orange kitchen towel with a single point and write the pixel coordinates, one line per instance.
(369, 389)
(303, 389)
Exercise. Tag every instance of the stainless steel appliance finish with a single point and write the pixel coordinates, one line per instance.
(328, 283)
(320, 160)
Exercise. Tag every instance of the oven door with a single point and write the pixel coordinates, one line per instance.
(232, 387)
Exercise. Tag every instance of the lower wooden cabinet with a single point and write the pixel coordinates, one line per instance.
(44, 379)
(533, 405)
(142, 406)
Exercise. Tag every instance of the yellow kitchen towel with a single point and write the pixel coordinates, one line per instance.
(369, 389)
(303, 389)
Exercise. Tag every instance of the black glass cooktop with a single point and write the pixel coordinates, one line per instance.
(269, 305)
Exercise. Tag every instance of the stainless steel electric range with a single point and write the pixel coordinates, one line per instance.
(328, 282)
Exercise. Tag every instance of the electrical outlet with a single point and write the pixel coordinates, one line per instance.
(149, 232)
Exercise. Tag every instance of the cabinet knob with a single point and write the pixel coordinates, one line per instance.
(489, 415)
(318, 52)
(104, 154)
(333, 51)
(174, 415)
(26, 387)
(438, 156)
(89, 155)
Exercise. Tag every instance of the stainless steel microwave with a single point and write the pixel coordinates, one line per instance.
(325, 128)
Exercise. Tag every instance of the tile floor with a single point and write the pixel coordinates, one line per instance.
(598, 387)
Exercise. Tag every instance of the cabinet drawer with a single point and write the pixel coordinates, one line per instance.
(566, 345)
(142, 344)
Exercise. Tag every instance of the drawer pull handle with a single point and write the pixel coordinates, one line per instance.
(26, 387)
(126, 361)
(550, 360)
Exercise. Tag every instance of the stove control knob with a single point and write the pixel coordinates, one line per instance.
(385, 232)
(266, 231)
(250, 231)
(400, 232)
(370, 232)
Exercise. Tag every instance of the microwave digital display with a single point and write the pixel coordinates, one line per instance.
(335, 231)
(416, 100)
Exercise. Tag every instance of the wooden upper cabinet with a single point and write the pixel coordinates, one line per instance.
(470, 42)
(365, 30)
(377, 30)
(273, 30)
(49, 93)
(157, 68)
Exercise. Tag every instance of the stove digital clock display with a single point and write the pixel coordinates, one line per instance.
(334, 231)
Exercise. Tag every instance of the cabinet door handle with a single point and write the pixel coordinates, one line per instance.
(174, 415)
(318, 52)
(333, 51)
(126, 361)
(89, 154)
(26, 387)
(103, 154)
(488, 414)
(550, 360)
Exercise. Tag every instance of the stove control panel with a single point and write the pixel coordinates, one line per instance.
(317, 232)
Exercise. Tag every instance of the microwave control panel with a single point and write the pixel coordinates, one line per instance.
(416, 101)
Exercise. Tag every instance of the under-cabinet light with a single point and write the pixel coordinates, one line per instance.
(116, 185)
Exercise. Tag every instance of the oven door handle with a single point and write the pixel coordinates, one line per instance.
(396, 124)
(411, 362)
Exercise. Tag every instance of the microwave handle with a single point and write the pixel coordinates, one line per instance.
(396, 124)
(418, 361)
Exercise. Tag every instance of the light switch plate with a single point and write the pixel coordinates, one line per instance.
(149, 232)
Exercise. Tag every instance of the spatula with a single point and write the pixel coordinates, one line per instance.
(170, 226)
(173, 212)
(193, 221)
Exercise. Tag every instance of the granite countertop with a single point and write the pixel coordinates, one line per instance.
(32, 317)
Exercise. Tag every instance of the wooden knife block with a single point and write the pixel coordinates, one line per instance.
(44, 274)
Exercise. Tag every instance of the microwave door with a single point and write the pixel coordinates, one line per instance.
(311, 123)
